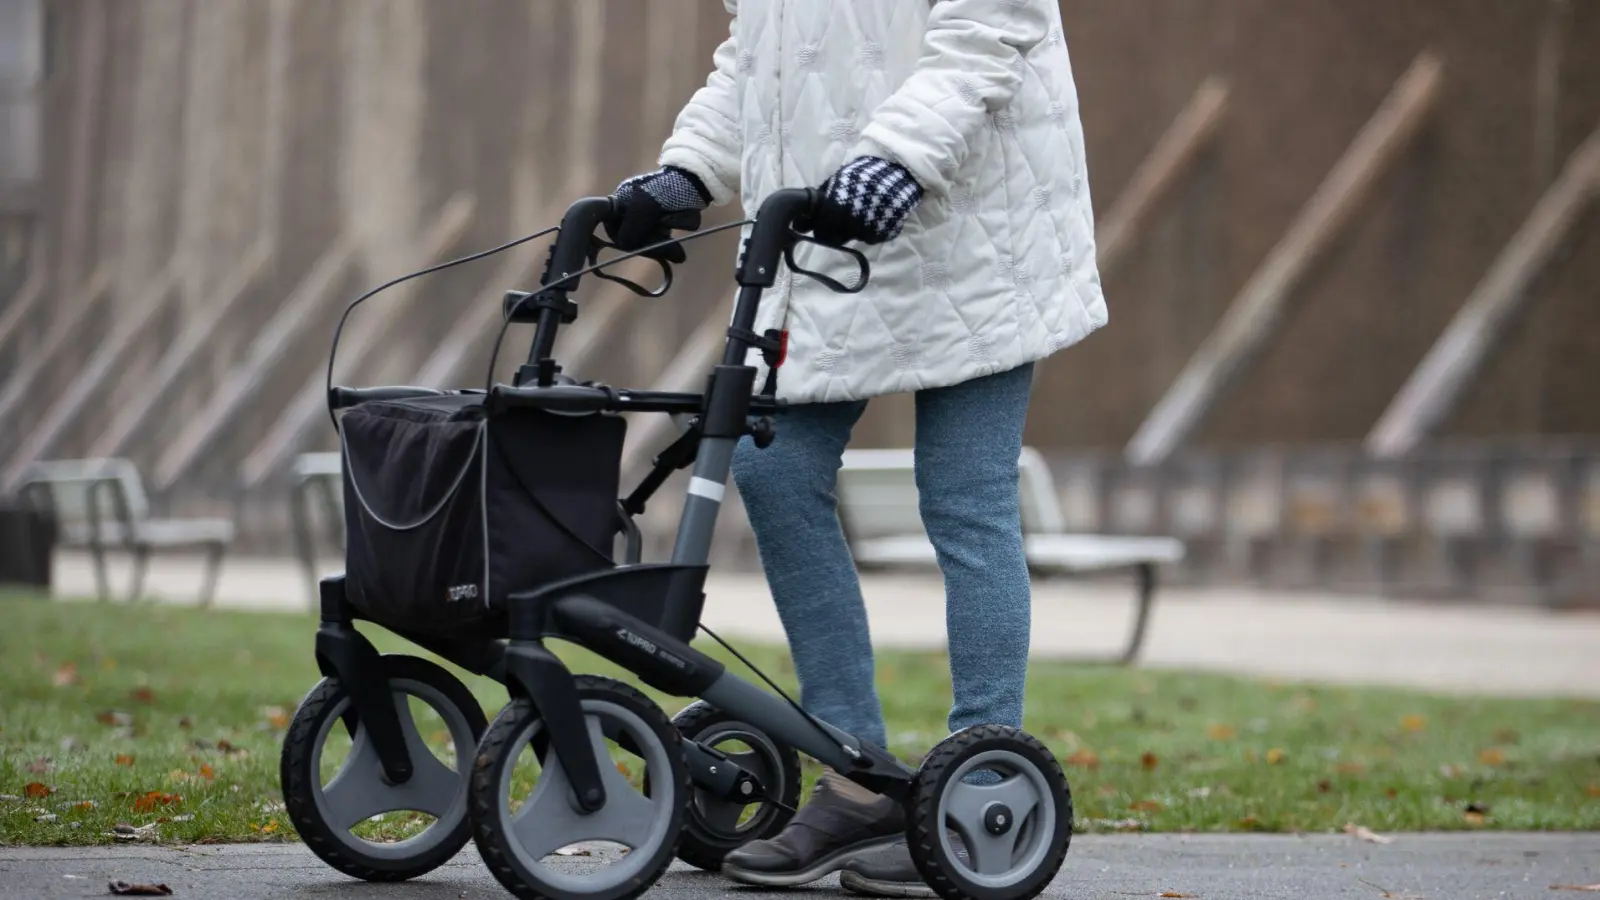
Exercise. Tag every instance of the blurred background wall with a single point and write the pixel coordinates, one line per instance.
(191, 190)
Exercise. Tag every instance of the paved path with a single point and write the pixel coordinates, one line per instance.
(1226, 867)
(1448, 647)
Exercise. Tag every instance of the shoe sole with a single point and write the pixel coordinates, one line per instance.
(857, 883)
(824, 867)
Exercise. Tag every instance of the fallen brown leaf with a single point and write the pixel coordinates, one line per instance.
(66, 676)
(124, 759)
(1592, 888)
(36, 790)
(277, 717)
(1324, 786)
(1391, 793)
(152, 799)
(1473, 818)
(207, 773)
(1350, 768)
(1492, 756)
(1222, 732)
(113, 717)
(1083, 759)
(1506, 736)
(1173, 894)
(124, 888)
(142, 695)
(1149, 762)
(1145, 806)
(1414, 723)
(1363, 833)
(1592, 790)
(1275, 756)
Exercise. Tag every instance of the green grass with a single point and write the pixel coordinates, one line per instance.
(154, 714)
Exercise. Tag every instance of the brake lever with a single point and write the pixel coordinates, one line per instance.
(597, 244)
(829, 283)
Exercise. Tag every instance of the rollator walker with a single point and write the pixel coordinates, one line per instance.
(480, 524)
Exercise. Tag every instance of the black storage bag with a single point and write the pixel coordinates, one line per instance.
(448, 509)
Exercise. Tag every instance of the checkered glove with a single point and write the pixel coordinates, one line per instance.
(648, 206)
(867, 200)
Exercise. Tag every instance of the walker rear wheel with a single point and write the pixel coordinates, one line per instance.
(716, 827)
(989, 815)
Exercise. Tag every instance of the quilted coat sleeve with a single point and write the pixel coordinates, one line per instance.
(969, 68)
(706, 139)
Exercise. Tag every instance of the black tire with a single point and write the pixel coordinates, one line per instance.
(925, 825)
(300, 779)
(502, 744)
(704, 845)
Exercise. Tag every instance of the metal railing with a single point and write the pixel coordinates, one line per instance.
(1507, 520)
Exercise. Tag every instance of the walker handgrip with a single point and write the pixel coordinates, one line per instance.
(568, 398)
(570, 252)
(763, 249)
(344, 397)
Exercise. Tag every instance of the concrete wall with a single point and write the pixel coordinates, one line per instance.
(182, 131)
(1521, 89)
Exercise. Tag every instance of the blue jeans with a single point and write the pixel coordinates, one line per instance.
(968, 439)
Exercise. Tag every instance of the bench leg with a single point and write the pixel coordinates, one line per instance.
(305, 546)
(208, 589)
(141, 564)
(1146, 577)
(102, 584)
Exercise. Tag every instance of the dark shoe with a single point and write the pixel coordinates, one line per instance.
(825, 834)
(889, 872)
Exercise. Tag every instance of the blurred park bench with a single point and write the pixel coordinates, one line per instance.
(878, 506)
(100, 504)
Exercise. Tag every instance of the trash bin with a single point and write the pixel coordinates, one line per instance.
(27, 546)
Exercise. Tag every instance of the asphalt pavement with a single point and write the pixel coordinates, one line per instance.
(1462, 866)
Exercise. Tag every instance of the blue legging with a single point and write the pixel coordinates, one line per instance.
(968, 439)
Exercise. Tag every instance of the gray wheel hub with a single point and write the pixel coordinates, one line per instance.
(551, 818)
(1004, 827)
(359, 790)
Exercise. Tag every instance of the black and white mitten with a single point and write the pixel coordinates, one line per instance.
(867, 200)
(644, 203)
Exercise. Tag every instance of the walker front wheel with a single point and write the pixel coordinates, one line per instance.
(334, 789)
(529, 829)
(989, 815)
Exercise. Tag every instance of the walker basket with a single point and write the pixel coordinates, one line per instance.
(451, 508)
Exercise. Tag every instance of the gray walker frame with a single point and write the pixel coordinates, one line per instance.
(639, 616)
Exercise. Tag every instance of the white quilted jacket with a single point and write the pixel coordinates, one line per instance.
(976, 98)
